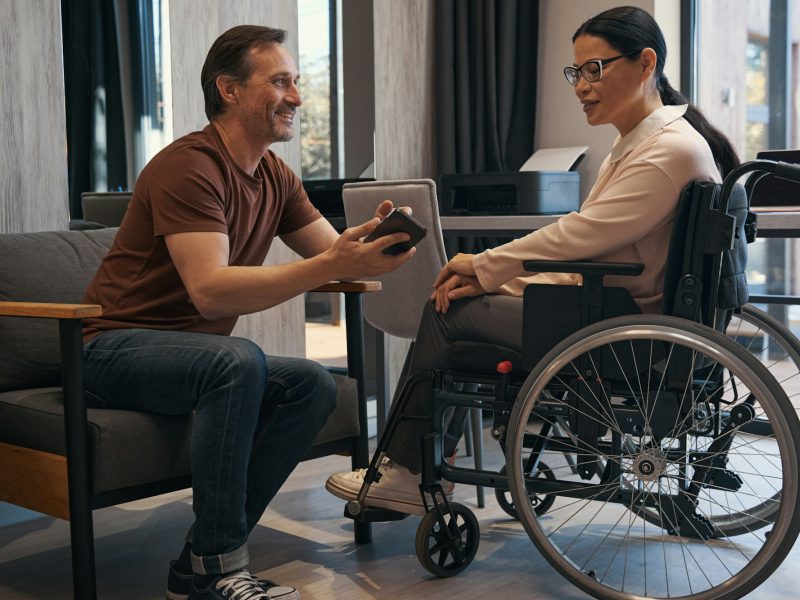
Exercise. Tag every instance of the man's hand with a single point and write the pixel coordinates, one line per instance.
(385, 207)
(383, 210)
(352, 258)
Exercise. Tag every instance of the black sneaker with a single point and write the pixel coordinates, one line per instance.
(241, 585)
(178, 584)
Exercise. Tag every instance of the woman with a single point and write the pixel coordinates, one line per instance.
(663, 144)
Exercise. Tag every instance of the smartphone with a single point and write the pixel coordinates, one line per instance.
(398, 221)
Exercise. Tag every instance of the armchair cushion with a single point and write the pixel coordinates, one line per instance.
(42, 267)
(33, 418)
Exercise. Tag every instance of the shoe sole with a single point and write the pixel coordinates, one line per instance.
(174, 596)
(409, 508)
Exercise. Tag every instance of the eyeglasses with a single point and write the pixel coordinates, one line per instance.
(592, 70)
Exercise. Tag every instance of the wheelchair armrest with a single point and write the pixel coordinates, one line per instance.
(584, 267)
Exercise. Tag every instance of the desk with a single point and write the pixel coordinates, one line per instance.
(784, 224)
(774, 224)
(771, 224)
(494, 225)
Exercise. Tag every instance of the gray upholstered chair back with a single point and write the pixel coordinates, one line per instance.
(107, 208)
(397, 308)
(53, 266)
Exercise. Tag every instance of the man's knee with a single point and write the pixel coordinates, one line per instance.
(321, 385)
(305, 381)
(239, 360)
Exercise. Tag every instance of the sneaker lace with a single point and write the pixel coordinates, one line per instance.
(386, 463)
(242, 586)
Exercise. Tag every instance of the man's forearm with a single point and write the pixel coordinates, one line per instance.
(231, 291)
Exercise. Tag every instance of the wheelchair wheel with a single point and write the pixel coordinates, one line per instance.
(778, 350)
(680, 437)
(768, 340)
(445, 548)
(540, 502)
(771, 343)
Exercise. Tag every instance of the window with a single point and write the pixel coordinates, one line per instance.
(747, 84)
(316, 87)
(152, 90)
(757, 104)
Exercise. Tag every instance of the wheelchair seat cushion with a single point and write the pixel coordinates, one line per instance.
(477, 357)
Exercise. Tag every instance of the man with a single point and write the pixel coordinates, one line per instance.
(186, 262)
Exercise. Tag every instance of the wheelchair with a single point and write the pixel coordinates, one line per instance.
(647, 456)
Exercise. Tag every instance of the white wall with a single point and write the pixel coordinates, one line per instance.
(194, 25)
(559, 119)
(33, 130)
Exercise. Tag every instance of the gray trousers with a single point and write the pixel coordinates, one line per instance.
(491, 319)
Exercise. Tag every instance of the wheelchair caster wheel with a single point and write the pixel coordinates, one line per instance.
(541, 502)
(446, 550)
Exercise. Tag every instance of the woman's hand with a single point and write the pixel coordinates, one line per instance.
(452, 283)
(458, 286)
(460, 264)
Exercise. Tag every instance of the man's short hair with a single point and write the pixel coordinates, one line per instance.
(230, 56)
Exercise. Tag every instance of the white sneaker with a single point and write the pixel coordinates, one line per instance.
(398, 488)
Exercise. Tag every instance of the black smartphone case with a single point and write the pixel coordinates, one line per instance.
(397, 222)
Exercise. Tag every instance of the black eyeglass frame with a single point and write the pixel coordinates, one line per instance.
(577, 72)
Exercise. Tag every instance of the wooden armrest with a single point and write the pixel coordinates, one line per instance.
(48, 310)
(349, 286)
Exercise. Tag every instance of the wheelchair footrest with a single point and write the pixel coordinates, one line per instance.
(369, 514)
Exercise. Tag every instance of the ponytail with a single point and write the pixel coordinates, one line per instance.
(629, 30)
(724, 154)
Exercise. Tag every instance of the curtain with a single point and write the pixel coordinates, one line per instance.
(486, 89)
(96, 156)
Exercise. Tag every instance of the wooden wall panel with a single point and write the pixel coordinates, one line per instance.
(404, 100)
(194, 25)
(722, 57)
(33, 139)
(404, 107)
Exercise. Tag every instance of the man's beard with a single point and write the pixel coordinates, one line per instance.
(271, 130)
(279, 132)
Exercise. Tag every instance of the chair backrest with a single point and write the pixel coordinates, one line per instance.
(107, 208)
(54, 266)
(397, 309)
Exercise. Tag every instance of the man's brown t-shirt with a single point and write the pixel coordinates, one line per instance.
(193, 185)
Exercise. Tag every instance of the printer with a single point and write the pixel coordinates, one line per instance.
(326, 196)
(546, 184)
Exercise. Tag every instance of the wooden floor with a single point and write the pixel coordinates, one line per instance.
(302, 540)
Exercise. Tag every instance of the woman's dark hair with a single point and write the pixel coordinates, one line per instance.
(229, 56)
(629, 29)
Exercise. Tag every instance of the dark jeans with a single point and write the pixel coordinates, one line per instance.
(492, 319)
(255, 417)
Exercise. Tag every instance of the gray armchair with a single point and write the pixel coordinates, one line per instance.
(64, 460)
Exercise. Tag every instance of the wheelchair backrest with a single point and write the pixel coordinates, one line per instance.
(704, 279)
(705, 273)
